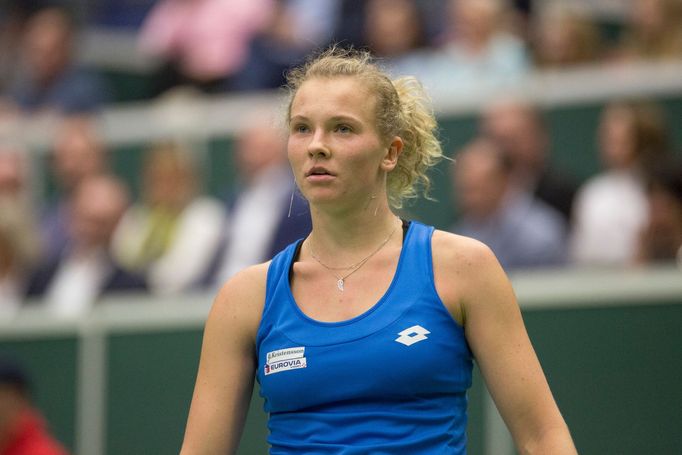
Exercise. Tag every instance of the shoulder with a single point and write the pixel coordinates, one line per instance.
(462, 269)
(239, 303)
(460, 254)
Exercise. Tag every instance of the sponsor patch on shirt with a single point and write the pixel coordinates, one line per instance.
(285, 359)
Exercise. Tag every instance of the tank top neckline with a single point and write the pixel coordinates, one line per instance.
(407, 230)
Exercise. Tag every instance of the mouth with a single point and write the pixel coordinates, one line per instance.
(318, 171)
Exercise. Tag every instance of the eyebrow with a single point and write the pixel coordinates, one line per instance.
(336, 118)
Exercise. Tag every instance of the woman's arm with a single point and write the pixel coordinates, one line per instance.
(481, 296)
(226, 370)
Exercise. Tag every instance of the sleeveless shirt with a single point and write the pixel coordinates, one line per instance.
(392, 380)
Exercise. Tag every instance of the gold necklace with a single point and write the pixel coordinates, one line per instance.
(340, 280)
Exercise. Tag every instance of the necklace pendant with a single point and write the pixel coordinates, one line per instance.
(339, 284)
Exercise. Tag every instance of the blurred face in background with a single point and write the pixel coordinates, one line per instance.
(260, 145)
(12, 172)
(481, 182)
(474, 21)
(169, 178)
(649, 16)
(97, 207)
(47, 44)
(77, 154)
(616, 137)
(516, 129)
(392, 27)
(564, 36)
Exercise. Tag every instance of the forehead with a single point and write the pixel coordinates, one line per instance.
(335, 96)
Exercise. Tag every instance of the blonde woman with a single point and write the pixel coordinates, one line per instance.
(362, 335)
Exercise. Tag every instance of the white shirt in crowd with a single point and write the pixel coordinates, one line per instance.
(254, 220)
(609, 213)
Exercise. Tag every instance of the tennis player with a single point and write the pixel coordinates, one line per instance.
(362, 335)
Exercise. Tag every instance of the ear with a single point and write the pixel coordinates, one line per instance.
(390, 160)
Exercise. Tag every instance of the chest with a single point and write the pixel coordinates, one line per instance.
(339, 295)
(418, 354)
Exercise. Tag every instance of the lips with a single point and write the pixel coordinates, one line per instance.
(318, 171)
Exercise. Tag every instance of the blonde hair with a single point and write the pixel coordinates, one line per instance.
(402, 109)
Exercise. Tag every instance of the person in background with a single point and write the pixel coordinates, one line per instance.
(19, 234)
(661, 239)
(201, 42)
(173, 232)
(13, 17)
(563, 36)
(294, 28)
(396, 50)
(77, 153)
(266, 213)
(519, 129)
(23, 430)
(522, 231)
(653, 31)
(50, 80)
(71, 283)
(611, 207)
(478, 50)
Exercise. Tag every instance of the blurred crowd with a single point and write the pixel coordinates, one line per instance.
(236, 45)
(94, 235)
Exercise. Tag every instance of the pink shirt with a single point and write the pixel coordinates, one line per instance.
(209, 38)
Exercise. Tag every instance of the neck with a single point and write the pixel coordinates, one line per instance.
(343, 237)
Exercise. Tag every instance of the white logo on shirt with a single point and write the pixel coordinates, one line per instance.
(412, 335)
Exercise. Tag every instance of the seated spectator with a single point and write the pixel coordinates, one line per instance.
(267, 213)
(653, 31)
(77, 153)
(12, 21)
(522, 231)
(201, 42)
(295, 28)
(85, 269)
(19, 239)
(563, 36)
(23, 430)
(402, 53)
(478, 49)
(611, 207)
(661, 239)
(172, 234)
(50, 80)
(519, 129)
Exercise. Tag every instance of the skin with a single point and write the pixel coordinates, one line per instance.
(480, 182)
(332, 128)
(97, 206)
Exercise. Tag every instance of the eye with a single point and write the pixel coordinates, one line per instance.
(343, 128)
(299, 128)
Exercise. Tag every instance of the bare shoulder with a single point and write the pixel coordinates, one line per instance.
(239, 303)
(462, 256)
(463, 270)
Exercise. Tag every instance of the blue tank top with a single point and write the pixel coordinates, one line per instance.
(392, 380)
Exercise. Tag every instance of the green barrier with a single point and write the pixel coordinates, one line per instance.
(615, 373)
(50, 363)
(611, 349)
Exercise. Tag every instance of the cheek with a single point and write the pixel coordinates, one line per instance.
(295, 150)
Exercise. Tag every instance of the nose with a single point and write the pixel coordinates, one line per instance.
(318, 146)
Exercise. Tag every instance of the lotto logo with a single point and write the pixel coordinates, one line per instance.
(412, 335)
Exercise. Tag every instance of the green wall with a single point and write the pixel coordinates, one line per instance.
(614, 371)
(50, 363)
